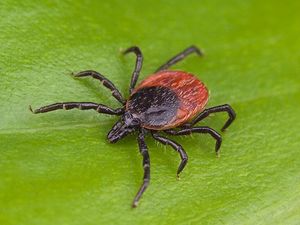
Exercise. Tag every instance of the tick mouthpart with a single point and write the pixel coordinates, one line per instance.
(118, 131)
(112, 138)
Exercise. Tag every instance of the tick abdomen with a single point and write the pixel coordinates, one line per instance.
(167, 99)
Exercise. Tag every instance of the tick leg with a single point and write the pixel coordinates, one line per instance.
(221, 108)
(177, 147)
(180, 56)
(107, 83)
(79, 105)
(146, 165)
(138, 65)
(206, 130)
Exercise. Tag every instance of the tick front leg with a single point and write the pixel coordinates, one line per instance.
(106, 82)
(79, 105)
(177, 147)
(138, 65)
(206, 130)
(221, 108)
(146, 165)
(180, 56)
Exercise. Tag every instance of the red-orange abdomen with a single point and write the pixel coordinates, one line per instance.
(153, 101)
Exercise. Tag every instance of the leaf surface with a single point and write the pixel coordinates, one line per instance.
(58, 168)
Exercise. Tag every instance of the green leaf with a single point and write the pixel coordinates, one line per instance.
(58, 168)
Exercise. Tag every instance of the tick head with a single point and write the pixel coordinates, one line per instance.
(123, 127)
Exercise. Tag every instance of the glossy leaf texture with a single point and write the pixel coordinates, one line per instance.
(58, 168)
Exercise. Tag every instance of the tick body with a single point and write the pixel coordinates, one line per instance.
(167, 102)
(167, 99)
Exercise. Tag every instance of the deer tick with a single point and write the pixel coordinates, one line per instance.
(168, 101)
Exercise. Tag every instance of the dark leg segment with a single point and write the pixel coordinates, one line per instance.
(79, 105)
(206, 130)
(177, 147)
(221, 108)
(146, 165)
(180, 56)
(107, 83)
(138, 66)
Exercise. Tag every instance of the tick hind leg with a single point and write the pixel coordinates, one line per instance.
(177, 147)
(106, 82)
(221, 108)
(138, 65)
(79, 105)
(206, 130)
(180, 56)
(146, 165)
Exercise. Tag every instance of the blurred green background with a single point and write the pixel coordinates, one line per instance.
(58, 168)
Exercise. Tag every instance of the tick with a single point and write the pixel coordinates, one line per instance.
(167, 102)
